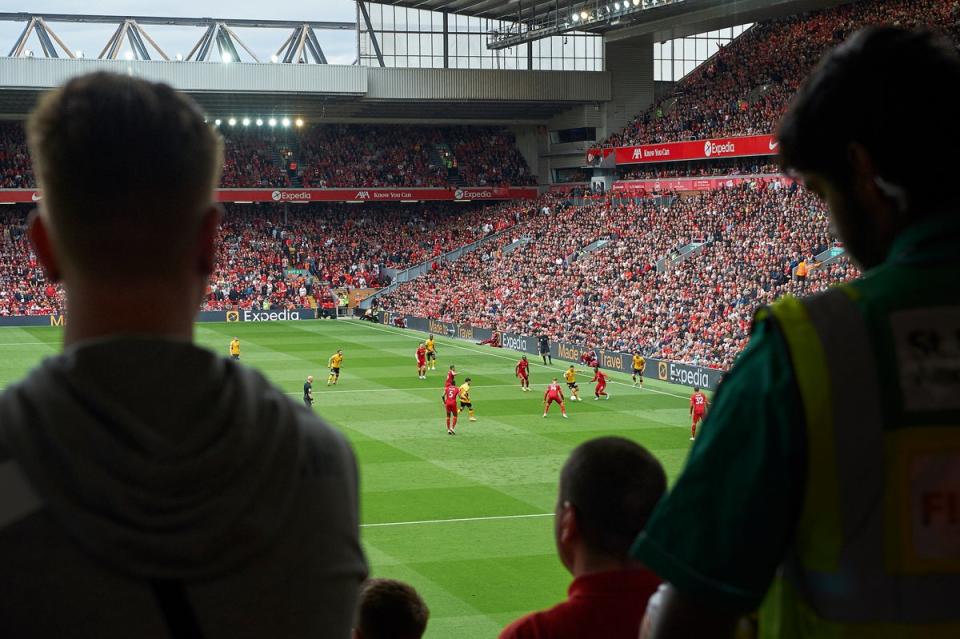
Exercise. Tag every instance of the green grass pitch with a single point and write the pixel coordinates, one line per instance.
(465, 519)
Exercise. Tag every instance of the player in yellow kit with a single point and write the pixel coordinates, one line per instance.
(431, 345)
(571, 376)
(235, 348)
(639, 363)
(335, 360)
(465, 401)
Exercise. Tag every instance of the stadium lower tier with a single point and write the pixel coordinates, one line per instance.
(677, 278)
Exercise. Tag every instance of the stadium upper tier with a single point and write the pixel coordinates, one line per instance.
(745, 87)
(322, 156)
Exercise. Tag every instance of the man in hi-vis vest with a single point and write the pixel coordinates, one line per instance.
(824, 491)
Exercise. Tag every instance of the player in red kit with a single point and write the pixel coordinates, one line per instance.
(554, 394)
(422, 361)
(698, 410)
(523, 372)
(450, 394)
(451, 377)
(601, 381)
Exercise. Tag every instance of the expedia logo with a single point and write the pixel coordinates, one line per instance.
(465, 332)
(233, 316)
(290, 196)
(710, 148)
(458, 194)
(688, 376)
(270, 316)
(515, 342)
(437, 327)
(566, 352)
(662, 371)
(362, 195)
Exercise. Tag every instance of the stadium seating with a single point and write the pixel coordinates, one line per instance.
(266, 255)
(698, 311)
(744, 88)
(338, 155)
(16, 172)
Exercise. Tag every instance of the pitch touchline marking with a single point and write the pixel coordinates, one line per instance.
(403, 390)
(444, 521)
(473, 350)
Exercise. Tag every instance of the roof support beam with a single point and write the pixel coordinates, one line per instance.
(370, 31)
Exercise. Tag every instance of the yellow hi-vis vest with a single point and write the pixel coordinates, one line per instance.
(877, 547)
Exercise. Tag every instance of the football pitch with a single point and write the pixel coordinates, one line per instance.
(466, 519)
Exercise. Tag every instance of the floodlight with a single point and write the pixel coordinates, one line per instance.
(217, 122)
(78, 54)
(128, 55)
(274, 58)
(299, 122)
(272, 122)
(246, 122)
(259, 121)
(226, 58)
(179, 57)
(285, 122)
(232, 122)
(584, 15)
(575, 17)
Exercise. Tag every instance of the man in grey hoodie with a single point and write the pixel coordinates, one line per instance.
(149, 488)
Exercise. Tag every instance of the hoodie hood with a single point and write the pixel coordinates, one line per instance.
(159, 458)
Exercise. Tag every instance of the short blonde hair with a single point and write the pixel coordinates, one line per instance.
(126, 168)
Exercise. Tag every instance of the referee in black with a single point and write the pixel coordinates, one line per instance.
(308, 392)
(545, 349)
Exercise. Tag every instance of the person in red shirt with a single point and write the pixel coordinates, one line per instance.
(554, 394)
(601, 381)
(450, 394)
(422, 361)
(698, 410)
(523, 372)
(451, 377)
(608, 488)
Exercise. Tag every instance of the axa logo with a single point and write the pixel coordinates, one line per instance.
(637, 153)
(362, 195)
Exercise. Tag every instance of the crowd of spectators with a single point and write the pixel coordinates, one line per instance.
(16, 171)
(271, 259)
(545, 279)
(733, 166)
(337, 156)
(24, 289)
(745, 87)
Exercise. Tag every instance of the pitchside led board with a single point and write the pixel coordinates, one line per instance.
(249, 315)
(673, 372)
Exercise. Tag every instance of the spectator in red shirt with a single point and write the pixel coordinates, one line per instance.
(608, 487)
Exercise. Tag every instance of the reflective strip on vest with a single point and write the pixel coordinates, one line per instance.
(837, 574)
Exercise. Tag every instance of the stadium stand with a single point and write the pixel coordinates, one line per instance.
(744, 88)
(16, 171)
(338, 155)
(286, 260)
(698, 311)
